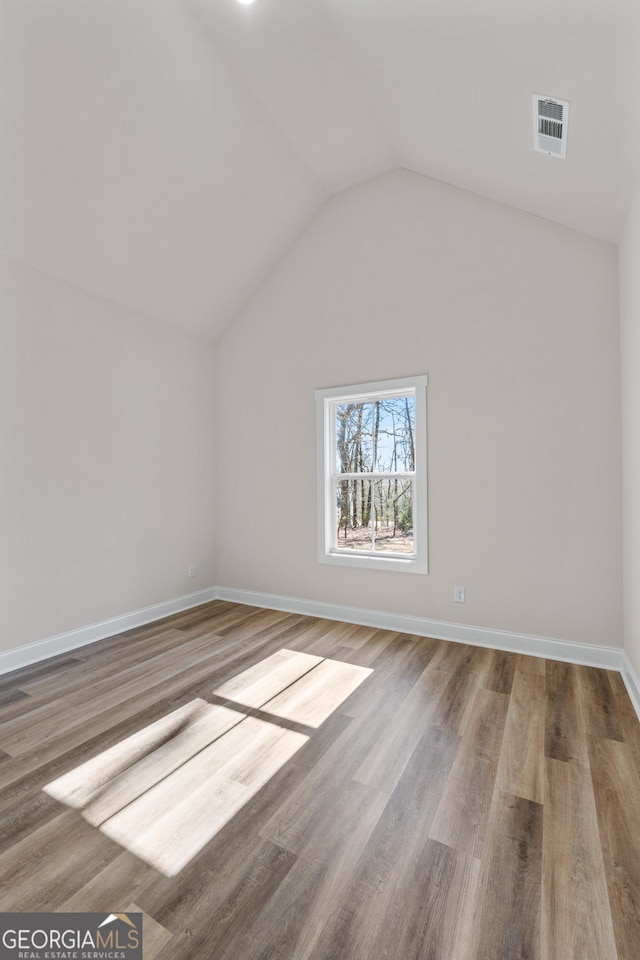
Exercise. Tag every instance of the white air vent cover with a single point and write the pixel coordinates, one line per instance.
(550, 124)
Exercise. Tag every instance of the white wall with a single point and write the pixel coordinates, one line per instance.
(630, 353)
(106, 462)
(515, 320)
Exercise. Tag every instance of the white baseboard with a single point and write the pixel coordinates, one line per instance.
(632, 682)
(610, 658)
(52, 646)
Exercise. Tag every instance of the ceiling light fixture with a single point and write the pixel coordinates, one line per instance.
(245, 1)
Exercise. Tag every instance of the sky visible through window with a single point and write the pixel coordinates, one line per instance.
(376, 436)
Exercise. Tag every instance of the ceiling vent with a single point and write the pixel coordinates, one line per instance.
(550, 123)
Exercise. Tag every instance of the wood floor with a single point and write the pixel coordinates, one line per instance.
(267, 786)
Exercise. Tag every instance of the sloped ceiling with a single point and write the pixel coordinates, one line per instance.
(165, 153)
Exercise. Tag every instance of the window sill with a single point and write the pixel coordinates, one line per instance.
(390, 564)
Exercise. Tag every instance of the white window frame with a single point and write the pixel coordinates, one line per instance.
(326, 402)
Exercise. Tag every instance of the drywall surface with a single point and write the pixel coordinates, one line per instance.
(630, 355)
(515, 321)
(106, 459)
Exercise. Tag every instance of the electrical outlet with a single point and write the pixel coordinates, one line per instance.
(459, 594)
(191, 570)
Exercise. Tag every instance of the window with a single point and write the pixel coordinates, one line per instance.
(372, 463)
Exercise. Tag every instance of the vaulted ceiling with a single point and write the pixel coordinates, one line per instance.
(165, 153)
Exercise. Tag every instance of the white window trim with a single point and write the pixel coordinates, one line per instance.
(325, 429)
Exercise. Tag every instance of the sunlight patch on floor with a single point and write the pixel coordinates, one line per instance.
(258, 684)
(295, 686)
(165, 792)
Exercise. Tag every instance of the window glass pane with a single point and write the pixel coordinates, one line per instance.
(394, 516)
(353, 437)
(393, 432)
(377, 436)
(392, 530)
(353, 523)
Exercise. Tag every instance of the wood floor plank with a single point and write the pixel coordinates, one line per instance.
(398, 664)
(521, 767)
(535, 665)
(23, 814)
(370, 652)
(369, 923)
(461, 943)
(461, 818)
(293, 817)
(391, 752)
(313, 697)
(326, 637)
(500, 671)
(96, 668)
(615, 772)
(49, 865)
(508, 908)
(600, 713)
(430, 910)
(455, 701)
(356, 637)
(10, 695)
(258, 684)
(319, 882)
(248, 896)
(401, 658)
(250, 623)
(464, 657)
(122, 879)
(207, 612)
(564, 725)
(629, 726)
(42, 668)
(576, 920)
(423, 915)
